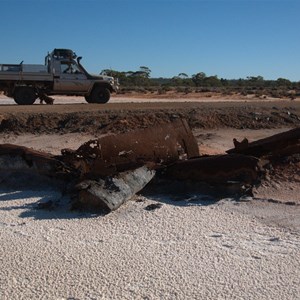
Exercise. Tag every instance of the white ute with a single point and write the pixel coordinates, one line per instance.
(62, 74)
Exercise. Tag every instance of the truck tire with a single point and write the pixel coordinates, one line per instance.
(99, 95)
(88, 99)
(25, 95)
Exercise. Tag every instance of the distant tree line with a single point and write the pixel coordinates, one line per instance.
(141, 81)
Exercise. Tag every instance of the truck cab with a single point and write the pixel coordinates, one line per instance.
(70, 77)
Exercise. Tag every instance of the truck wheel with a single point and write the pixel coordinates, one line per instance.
(88, 99)
(25, 95)
(99, 95)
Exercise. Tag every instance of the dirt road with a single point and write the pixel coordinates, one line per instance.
(124, 116)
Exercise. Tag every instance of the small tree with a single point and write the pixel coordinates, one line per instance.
(212, 81)
(198, 78)
(183, 75)
(145, 71)
(283, 82)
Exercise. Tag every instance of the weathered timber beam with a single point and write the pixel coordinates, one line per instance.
(111, 192)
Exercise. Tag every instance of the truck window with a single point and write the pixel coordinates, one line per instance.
(11, 68)
(69, 68)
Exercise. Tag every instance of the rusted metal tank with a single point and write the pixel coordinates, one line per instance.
(156, 146)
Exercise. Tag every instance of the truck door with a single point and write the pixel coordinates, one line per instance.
(70, 79)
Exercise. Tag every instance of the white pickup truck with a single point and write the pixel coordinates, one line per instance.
(62, 74)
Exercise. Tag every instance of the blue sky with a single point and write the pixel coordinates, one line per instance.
(227, 38)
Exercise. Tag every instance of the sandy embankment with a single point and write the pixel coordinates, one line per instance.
(196, 249)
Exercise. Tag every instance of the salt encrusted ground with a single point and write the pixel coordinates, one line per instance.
(183, 250)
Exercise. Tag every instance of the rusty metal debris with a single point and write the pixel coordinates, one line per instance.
(284, 143)
(106, 172)
(217, 169)
(156, 146)
(18, 158)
